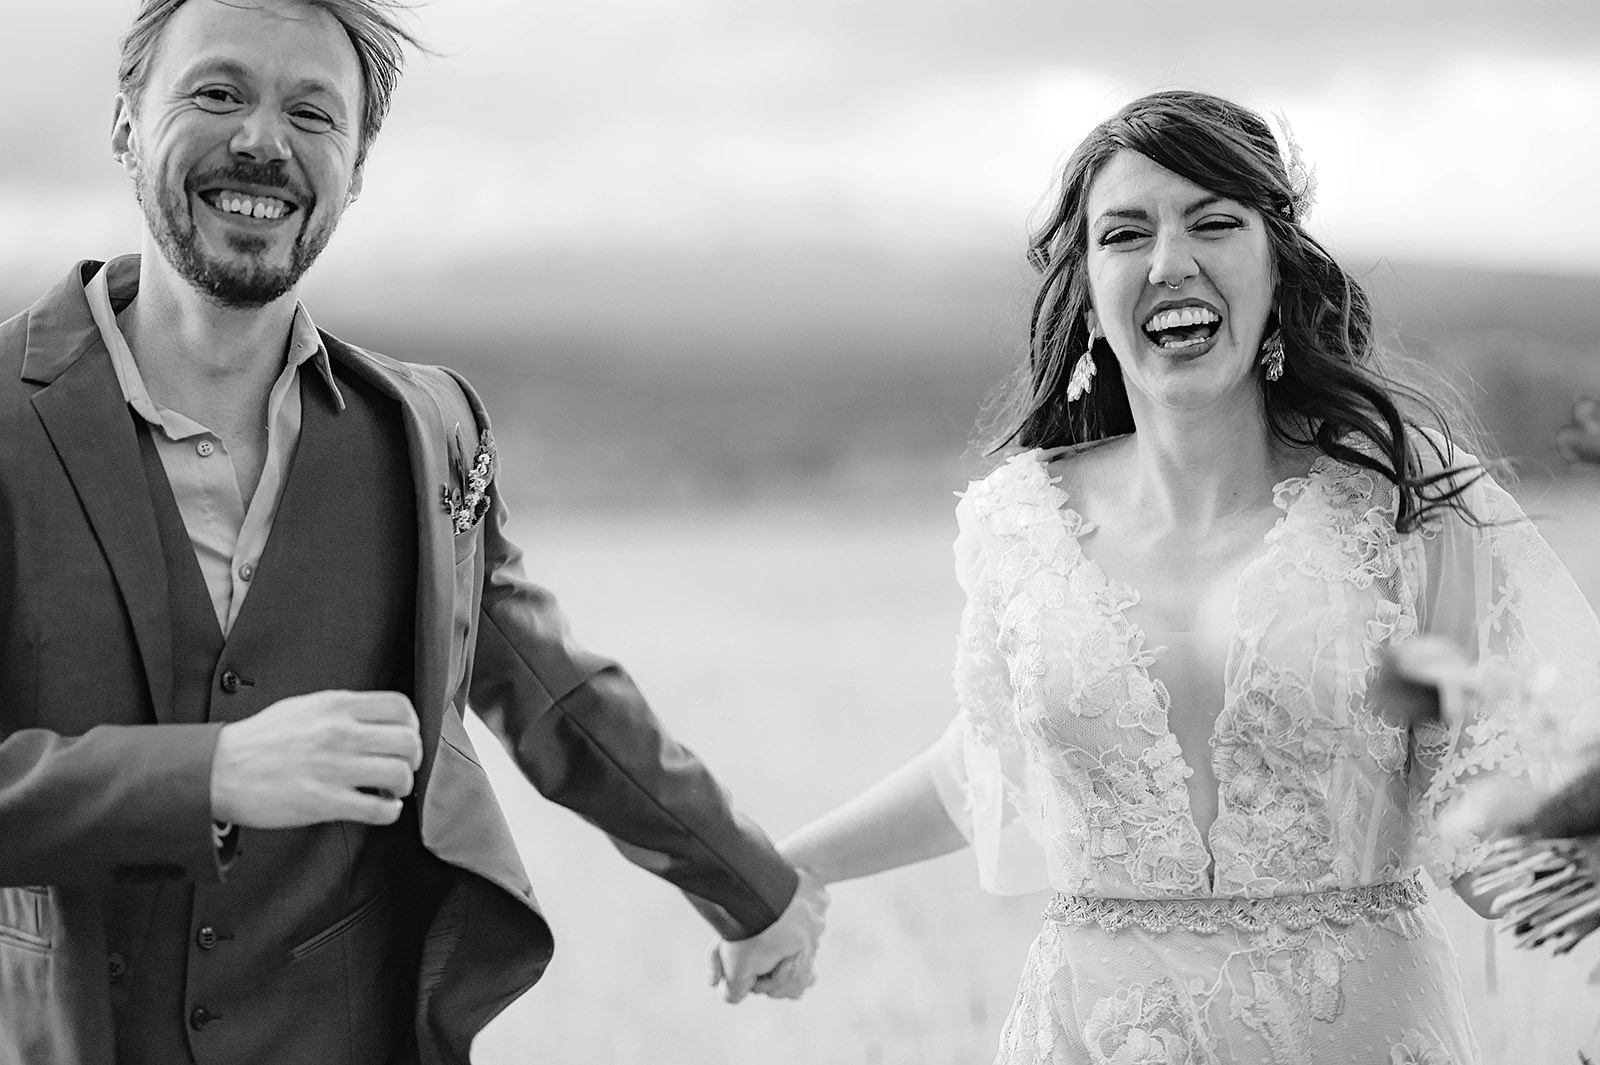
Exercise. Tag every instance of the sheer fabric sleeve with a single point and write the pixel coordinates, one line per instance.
(991, 787)
(1500, 593)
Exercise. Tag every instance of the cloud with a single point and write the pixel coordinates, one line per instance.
(1457, 132)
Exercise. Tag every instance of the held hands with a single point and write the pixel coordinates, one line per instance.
(776, 962)
(324, 756)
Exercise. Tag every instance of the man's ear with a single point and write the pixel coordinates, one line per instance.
(356, 180)
(124, 138)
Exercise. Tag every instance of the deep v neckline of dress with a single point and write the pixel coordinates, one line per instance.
(1123, 595)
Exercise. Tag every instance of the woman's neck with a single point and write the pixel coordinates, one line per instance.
(1197, 468)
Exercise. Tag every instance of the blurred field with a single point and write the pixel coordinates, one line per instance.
(803, 649)
(843, 373)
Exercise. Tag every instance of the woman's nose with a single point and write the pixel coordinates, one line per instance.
(1171, 262)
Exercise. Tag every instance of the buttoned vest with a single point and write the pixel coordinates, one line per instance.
(306, 953)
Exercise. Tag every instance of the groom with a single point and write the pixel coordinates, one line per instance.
(253, 575)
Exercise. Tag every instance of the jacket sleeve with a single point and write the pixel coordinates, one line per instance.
(118, 803)
(583, 735)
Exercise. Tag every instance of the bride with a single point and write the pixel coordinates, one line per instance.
(1217, 516)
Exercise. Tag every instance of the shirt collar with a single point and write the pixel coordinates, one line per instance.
(118, 281)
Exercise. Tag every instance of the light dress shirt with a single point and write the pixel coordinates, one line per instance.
(228, 535)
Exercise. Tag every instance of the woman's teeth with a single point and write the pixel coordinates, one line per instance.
(1182, 327)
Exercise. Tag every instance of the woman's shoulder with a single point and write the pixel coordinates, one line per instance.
(1433, 452)
(1445, 477)
(1049, 475)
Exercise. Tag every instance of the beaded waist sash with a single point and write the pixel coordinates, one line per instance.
(1344, 906)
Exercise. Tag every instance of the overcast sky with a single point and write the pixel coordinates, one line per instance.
(1466, 132)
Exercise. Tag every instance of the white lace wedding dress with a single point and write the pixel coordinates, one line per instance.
(1298, 930)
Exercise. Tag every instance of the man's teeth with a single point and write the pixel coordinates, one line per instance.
(254, 206)
(1180, 317)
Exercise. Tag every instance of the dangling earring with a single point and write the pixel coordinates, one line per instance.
(1272, 355)
(1082, 378)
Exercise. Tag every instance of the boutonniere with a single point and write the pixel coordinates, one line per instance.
(467, 501)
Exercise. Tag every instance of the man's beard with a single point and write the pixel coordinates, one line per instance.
(242, 282)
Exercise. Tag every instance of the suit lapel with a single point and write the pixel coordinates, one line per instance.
(92, 430)
(425, 445)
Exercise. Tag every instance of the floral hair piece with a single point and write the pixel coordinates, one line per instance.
(1302, 177)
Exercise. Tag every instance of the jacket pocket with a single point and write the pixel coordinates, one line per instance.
(466, 544)
(24, 917)
(338, 928)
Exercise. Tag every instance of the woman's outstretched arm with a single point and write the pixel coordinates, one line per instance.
(897, 821)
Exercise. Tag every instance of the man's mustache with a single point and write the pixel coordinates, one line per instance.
(272, 175)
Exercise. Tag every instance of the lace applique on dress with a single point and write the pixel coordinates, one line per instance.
(1146, 1025)
(1417, 1049)
(1125, 802)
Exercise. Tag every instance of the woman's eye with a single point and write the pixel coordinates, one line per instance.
(1119, 236)
(1219, 225)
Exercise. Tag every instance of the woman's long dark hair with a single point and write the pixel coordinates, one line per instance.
(1332, 393)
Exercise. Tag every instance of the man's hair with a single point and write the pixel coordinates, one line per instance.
(371, 25)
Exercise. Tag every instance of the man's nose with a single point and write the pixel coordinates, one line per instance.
(1172, 261)
(262, 137)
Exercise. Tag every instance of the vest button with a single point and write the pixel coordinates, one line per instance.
(230, 682)
(201, 1017)
(206, 938)
(116, 965)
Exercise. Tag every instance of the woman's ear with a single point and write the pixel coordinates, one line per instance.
(1092, 320)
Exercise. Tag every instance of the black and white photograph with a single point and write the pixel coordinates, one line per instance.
(684, 532)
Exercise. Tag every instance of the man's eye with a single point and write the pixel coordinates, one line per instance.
(216, 99)
(311, 120)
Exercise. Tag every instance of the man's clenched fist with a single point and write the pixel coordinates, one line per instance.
(325, 756)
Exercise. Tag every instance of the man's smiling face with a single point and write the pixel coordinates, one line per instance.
(243, 143)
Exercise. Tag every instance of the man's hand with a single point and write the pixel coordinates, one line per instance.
(325, 756)
(1579, 440)
(776, 962)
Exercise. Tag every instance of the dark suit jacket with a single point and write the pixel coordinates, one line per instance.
(94, 792)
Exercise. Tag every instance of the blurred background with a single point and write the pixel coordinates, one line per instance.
(735, 280)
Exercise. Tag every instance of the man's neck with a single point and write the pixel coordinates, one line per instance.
(215, 364)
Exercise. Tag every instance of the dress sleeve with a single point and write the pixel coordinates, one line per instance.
(991, 788)
(1499, 592)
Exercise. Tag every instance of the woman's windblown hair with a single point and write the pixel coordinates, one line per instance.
(1333, 395)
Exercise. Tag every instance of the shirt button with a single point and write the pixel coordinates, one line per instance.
(204, 448)
(116, 965)
(201, 1017)
(246, 571)
(206, 938)
(230, 682)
